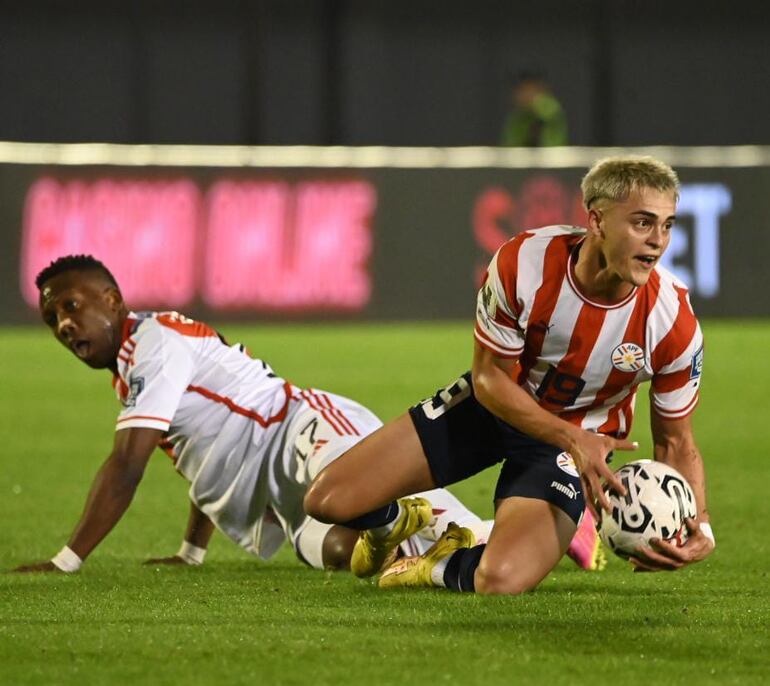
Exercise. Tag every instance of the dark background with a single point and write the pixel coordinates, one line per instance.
(358, 72)
(426, 257)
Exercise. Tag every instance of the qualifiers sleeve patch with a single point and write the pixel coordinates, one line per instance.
(696, 369)
(489, 300)
(137, 386)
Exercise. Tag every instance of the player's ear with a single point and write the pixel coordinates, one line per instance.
(113, 298)
(595, 222)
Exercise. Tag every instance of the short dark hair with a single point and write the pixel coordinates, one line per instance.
(74, 263)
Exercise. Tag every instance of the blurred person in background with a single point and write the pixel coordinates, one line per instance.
(536, 118)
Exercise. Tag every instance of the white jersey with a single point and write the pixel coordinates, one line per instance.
(580, 359)
(233, 428)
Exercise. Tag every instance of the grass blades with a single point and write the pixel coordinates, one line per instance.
(239, 621)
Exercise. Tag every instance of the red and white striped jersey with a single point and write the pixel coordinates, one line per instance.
(227, 417)
(580, 359)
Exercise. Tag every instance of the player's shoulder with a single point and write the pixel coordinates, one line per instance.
(150, 327)
(672, 291)
(549, 233)
(669, 280)
(143, 335)
(171, 324)
(531, 245)
(538, 239)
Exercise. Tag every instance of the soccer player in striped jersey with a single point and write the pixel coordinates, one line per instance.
(248, 441)
(569, 323)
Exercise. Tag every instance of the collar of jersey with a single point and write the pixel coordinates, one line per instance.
(573, 282)
(129, 327)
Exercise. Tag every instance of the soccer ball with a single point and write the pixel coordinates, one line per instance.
(657, 501)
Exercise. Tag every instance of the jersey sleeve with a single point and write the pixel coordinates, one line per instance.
(158, 374)
(497, 311)
(675, 386)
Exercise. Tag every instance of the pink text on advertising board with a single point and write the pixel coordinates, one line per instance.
(272, 245)
(144, 232)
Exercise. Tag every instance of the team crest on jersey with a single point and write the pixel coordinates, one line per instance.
(628, 357)
(697, 364)
(565, 462)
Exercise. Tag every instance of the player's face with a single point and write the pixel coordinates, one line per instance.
(86, 315)
(635, 233)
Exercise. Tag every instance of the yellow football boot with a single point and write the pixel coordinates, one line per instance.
(372, 553)
(416, 571)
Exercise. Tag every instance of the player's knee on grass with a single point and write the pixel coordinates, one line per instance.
(503, 579)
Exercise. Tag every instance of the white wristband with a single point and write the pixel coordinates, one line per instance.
(706, 530)
(67, 560)
(191, 554)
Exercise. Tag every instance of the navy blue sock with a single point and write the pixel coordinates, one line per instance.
(371, 520)
(461, 567)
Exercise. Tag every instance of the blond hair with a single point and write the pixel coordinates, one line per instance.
(613, 178)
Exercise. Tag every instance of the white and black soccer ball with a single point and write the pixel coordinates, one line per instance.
(657, 501)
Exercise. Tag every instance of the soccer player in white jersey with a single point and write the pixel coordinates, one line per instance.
(248, 441)
(569, 322)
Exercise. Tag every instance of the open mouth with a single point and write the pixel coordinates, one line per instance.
(81, 349)
(647, 260)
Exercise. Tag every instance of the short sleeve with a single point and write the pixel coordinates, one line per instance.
(160, 369)
(676, 386)
(497, 325)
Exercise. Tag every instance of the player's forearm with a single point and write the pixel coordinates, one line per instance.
(510, 402)
(111, 493)
(199, 528)
(684, 456)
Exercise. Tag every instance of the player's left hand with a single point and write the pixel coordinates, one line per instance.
(46, 566)
(667, 556)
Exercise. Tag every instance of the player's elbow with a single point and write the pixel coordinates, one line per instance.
(483, 384)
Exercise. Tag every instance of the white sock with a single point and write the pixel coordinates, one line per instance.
(385, 529)
(437, 573)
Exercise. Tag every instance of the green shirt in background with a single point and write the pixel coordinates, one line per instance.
(543, 124)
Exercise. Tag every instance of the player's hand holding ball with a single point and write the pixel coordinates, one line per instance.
(590, 451)
(663, 555)
(654, 524)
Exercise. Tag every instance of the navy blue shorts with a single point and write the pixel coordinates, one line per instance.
(461, 438)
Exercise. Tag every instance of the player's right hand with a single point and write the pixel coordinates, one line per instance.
(590, 451)
(173, 560)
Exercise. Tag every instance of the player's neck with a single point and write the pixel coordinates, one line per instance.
(596, 280)
(122, 327)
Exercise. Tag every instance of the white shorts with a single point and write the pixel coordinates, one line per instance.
(326, 427)
(324, 430)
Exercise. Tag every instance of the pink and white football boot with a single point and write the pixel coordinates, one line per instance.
(586, 548)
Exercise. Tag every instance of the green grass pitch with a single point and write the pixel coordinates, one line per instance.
(238, 621)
